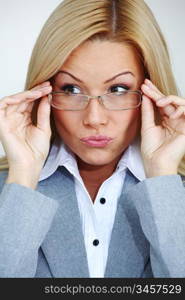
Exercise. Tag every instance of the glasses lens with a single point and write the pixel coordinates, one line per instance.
(119, 101)
(111, 101)
(66, 101)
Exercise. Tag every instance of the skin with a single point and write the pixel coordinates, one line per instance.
(162, 145)
(94, 67)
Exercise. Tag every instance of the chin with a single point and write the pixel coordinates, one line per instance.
(96, 160)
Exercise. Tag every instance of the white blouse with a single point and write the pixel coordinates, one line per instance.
(97, 218)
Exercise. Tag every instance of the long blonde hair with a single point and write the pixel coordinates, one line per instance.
(74, 22)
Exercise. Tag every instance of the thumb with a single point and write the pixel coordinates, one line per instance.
(43, 115)
(147, 111)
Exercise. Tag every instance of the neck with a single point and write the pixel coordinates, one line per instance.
(94, 176)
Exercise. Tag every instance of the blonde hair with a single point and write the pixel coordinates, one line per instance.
(74, 22)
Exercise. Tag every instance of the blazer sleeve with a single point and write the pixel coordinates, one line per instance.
(160, 203)
(25, 218)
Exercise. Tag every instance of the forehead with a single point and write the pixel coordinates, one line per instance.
(103, 56)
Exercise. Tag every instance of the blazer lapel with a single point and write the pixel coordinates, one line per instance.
(128, 249)
(64, 246)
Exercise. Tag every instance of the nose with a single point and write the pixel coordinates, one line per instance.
(95, 113)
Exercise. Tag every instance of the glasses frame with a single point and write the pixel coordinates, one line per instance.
(95, 97)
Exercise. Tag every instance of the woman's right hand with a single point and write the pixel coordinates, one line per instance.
(25, 144)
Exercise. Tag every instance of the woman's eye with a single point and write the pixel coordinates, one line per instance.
(70, 89)
(119, 88)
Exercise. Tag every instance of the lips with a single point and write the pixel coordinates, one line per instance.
(97, 140)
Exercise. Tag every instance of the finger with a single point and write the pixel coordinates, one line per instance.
(157, 96)
(18, 98)
(151, 85)
(171, 99)
(25, 107)
(172, 105)
(43, 115)
(14, 108)
(30, 94)
(43, 84)
(20, 106)
(167, 111)
(33, 93)
(180, 111)
(148, 116)
(151, 93)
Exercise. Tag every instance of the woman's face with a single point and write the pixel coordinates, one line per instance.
(92, 64)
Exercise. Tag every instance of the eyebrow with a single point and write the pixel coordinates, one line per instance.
(112, 78)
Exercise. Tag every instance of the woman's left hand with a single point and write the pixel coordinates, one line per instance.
(163, 145)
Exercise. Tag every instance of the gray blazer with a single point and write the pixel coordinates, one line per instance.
(41, 231)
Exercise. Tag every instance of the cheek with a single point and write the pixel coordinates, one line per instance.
(125, 125)
(65, 122)
(129, 121)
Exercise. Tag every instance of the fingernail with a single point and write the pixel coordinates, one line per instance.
(149, 83)
(146, 87)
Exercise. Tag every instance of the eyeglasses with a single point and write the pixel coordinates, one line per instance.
(111, 101)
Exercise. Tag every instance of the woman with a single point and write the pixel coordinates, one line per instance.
(93, 165)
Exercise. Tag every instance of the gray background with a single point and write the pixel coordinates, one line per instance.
(21, 21)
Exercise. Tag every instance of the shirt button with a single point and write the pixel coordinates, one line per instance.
(95, 242)
(102, 200)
